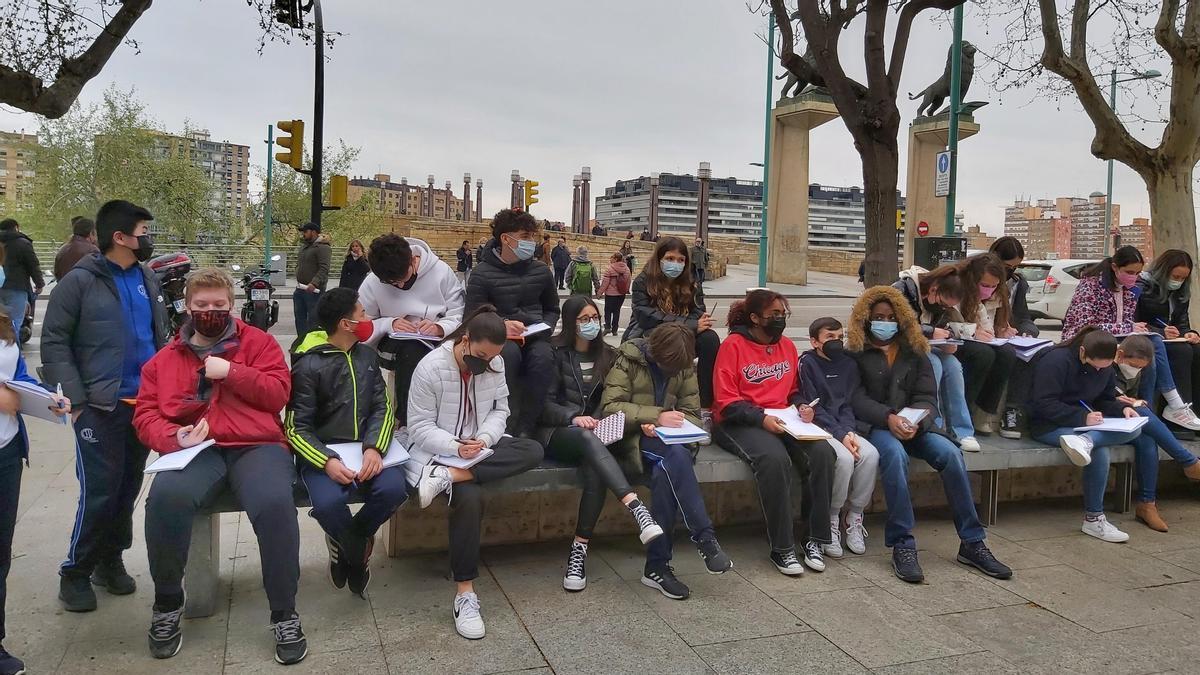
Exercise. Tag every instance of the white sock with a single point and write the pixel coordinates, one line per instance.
(1173, 398)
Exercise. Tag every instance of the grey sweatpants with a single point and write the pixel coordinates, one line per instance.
(261, 477)
(853, 481)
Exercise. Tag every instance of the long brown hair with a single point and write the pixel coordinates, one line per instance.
(971, 272)
(944, 278)
(602, 355)
(673, 296)
(7, 334)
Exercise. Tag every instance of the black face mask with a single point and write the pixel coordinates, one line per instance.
(833, 349)
(775, 326)
(408, 284)
(476, 365)
(145, 249)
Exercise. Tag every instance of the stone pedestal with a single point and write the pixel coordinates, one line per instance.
(787, 199)
(927, 136)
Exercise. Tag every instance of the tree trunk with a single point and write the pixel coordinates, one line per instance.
(1173, 217)
(881, 167)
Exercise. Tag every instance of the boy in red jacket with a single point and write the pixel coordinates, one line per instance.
(225, 382)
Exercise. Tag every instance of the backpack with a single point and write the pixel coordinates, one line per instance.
(581, 283)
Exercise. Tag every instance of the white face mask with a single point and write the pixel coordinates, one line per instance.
(1128, 371)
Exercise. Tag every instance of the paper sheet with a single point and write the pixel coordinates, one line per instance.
(688, 433)
(460, 463)
(36, 401)
(174, 461)
(797, 427)
(1118, 424)
(913, 415)
(534, 329)
(351, 454)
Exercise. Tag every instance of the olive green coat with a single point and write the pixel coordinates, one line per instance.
(629, 388)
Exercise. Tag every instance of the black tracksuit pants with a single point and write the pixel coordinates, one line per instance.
(10, 490)
(600, 470)
(404, 357)
(529, 372)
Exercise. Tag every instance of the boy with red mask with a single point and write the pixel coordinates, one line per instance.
(224, 381)
(339, 396)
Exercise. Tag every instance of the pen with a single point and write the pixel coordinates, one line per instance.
(1160, 322)
(814, 402)
(1089, 408)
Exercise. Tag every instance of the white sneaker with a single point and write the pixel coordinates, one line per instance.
(435, 480)
(834, 548)
(1104, 531)
(1078, 448)
(968, 444)
(706, 421)
(1183, 416)
(856, 534)
(467, 619)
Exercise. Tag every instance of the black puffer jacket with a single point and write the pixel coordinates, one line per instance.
(1173, 310)
(21, 264)
(939, 316)
(523, 291)
(83, 334)
(337, 397)
(1020, 318)
(908, 383)
(569, 397)
(647, 315)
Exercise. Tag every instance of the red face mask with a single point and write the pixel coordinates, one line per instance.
(363, 330)
(211, 323)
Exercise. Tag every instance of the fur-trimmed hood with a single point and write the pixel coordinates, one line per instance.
(910, 329)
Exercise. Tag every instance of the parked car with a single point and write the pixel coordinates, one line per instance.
(1051, 285)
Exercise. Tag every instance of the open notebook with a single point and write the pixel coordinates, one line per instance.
(796, 427)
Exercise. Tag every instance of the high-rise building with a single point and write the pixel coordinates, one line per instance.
(1087, 223)
(1067, 227)
(396, 199)
(226, 164)
(1138, 233)
(16, 169)
(835, 214)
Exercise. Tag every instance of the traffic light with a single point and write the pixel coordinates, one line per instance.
(294, 157)
(338, 192)
(531, 193)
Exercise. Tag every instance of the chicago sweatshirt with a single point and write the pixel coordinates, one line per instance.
(750, 376)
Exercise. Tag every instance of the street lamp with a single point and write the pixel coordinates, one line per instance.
(1112, 103)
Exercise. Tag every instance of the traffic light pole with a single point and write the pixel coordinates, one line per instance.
(267, 227)
(318, 112)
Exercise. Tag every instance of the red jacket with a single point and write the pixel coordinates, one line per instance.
(242, 410)
(750, 376)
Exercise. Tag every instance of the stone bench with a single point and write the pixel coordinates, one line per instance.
(713, 465)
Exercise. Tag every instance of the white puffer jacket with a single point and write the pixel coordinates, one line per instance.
(443, 408)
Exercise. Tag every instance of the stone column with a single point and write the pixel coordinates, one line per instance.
(479, 200)
(585, 199)
(428, 210)
(704, 174)
(404, 196)
(514, 199)
(654, 205)
(449, 200)
(466, 210)
(927, 136)
(576, 192)
(787, 200)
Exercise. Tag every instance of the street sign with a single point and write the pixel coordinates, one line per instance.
(922, 228)
(941, 181)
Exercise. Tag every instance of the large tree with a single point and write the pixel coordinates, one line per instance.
(1126, 36)
(50, 50)
(868, 109)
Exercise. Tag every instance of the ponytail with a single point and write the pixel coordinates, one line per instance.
(1096, 343)
(482, 324)
(756, 302)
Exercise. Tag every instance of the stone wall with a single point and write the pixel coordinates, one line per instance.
(834, 261)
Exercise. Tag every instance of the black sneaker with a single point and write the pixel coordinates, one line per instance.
(1012, 420)
(359, 576)
(165, 635)
(979, 556)
(663, 579)
(9, 664)
(904, 563)
(576, 577)
(290, 645)
(714, 558)
(76, 594)
(112, 577)
(787, 562)
(337, 563)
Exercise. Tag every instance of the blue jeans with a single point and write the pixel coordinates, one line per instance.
(1095, 474)
(1146, 458)
(940, 453)
(382, 495)
(305, 304)
(16, 302)
(952, 394)
(674, 490)
(1163, 380)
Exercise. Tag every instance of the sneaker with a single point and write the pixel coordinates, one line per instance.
(337, 563)
(1183, 416)
(165, 636)
(978, 555)
(982, 422)
(714, 558)
(856, 534)
(290, 645)
(576, 576)
(648, 529)
(76, 594)
(1104, 530)
(906, 566)
(812, 556)
(1078, 448)
(1192, 471)
(435, 480)
(787, 562)
(968, 444)
(112, 577)
(663, 579)
(9, 664)
(834, 548)
(359, 576)
(467, 619)
(1011, 422)
(706, 421)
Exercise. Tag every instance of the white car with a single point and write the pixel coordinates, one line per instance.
(1051, 285)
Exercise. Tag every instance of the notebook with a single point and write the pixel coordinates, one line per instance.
(913, 415)
(400, 335)
(36, 401)
(174, 461)
(1118, 424)
(460, 463)
(611, 429)
(1027, 355)
(534, 329)
(1024, 342)
(688, 433)
(796, 427)
(351, 454)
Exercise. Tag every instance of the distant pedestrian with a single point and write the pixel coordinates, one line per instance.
(614, 285)
(81, 244)
(312, 275)
(354, 267)
(464, 261)
(21, 267)
(862, 272)
(598, 231)
(581, 274)
(479, 251)
(646, 236)
(627, 252)
(561, 257)
(699, 260)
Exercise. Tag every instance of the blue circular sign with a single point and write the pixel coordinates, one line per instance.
(943, 163)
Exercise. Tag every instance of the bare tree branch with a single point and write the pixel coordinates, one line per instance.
(1164, 29)
(908, 12)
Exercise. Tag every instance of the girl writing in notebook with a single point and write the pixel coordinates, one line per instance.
(569, 421)
(653, 381)
(758, 370)
(1076, 388)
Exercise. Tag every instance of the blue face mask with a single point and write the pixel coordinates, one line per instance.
(525, 249)
(884, 330)
(670, 268)
(589, 330)
(1171, 284)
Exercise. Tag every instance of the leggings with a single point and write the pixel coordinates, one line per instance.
(612, 312)
(707, 344)
(573, 445)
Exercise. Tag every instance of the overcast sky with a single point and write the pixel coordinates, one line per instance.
(545, 86)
